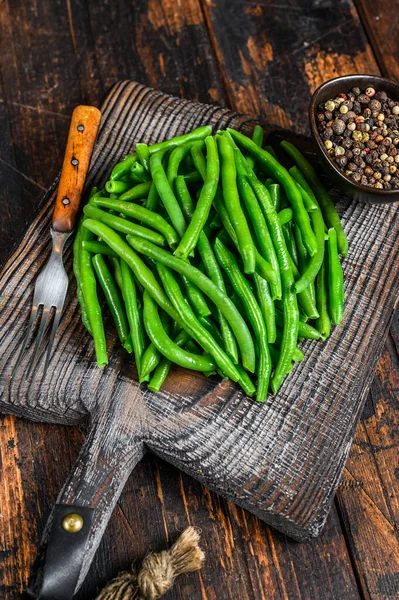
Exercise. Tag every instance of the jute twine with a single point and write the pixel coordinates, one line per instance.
(158, 571)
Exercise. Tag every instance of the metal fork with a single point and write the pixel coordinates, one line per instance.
(52, 283)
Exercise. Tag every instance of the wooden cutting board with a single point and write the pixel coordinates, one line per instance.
(281, 460)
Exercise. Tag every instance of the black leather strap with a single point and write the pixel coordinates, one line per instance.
(64, 556)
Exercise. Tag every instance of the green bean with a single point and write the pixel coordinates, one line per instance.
(219, 298)
(136, 192)
(268, 182)
(199, 160)
(77, 250)
(214, 273)
(140, 213)
(197, 134)
(323, 323)
(308, 200)
(309, 274)
(150, 360)
(275, 194)
(290, 305)
(193, 326)
(327, 207)
(207, 194)
(212, 329)
(117, 271)
(257, 138)
(196, 298)
(166, 193)
(123, 167)
(254, 313)
(245, 381)
(123, 225)
(215, 223)
(92, 304)
(303, 260)
(184, 198)
(258, 220)
(271, 151)
(233, 206)
(139, 173)
(118, 187)
(98, 248)
(114, 300)
(175, 158)
(166, 346)
(305, 297)
(266, 160)
(304, 331)
(192, 177)
(335, 279)
(152, 198)
(297, 355)
(162, 370)
(129, 293)
(143, 154)
(284, 216)
(267, 305)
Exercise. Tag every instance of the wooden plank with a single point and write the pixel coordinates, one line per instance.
(273, 55)
(380, 21)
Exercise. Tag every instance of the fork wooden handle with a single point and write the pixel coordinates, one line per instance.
(82, 135)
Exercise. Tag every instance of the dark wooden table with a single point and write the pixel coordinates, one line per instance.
(260, 57)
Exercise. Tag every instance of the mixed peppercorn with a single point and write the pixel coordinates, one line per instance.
(360, 131)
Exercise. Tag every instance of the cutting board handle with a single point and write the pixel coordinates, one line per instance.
(84, 506)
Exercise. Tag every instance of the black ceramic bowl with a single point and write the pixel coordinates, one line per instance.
(331, 89)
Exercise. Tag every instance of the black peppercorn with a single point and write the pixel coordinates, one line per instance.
(356, 91)
(381, 96)
(341, 161)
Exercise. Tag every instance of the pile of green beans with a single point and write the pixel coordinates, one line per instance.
(211, 255)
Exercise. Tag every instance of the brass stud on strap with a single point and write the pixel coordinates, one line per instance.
(72, 523)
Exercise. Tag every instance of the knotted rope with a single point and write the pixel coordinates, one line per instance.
(158, 571)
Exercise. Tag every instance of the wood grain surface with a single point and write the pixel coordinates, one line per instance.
(176, 50)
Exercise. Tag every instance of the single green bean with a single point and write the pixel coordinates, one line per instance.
(162, 370)
(184, 197)
(304, 331)
(114, 300)
(116, 270)
(136, 192)
(308, 200)
(257, 138)
(166, 193)
(175, 158)
(140, 213)
(196, 298)
(143, 154)
(93, 307)
(335, 279)
(267, 305)
(123, 225)
(284, 216)
(152, 198)
(254, 313)
(129, 293)
(118, 187)
(233, 205)
(77, 249)
(197, 134)
(123, 167)
(207, 194)
(323, 323)
(98, 248)
(327, 206)
(275, 194)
